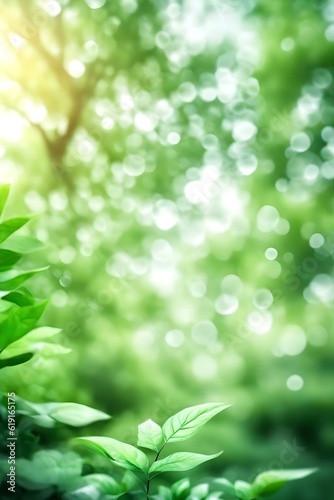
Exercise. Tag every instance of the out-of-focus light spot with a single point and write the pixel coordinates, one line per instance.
(11, 126)
(134, 165)
(108, 123)
(162, 250)
(76, 68)
(274, 269)
(58, 200)
(53, 8)
(65, 280)
(35, 202)
(247, 165)
(143, 340)
(173, 138)
(311, 173)
(226, 304)
(263, 298)
(208, 94)
(187, 92)
(96, 203)
(219, 223)
(95, 4)
(287, 44)
(197, 288)
(35, 112)
(67, 255)
(204, 333)
(243, 130)
(282, 227)
(204, 367)
(143, 122)
(300, 142)
(17, 41)
(327, 170)
(322, 288)
(293, 341)
(91, 51)
(295, 383)
(267, 219)
(231, 284)
(59, 298)
(317, 240)
(260, 322)
(174, 338)
(329, 33)
(271, 253)
(165, 215)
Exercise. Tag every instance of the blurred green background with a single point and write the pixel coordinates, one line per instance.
(181, 157)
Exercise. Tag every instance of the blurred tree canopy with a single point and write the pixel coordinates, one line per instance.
(182, 156)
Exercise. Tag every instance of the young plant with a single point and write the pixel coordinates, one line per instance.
(177, 428)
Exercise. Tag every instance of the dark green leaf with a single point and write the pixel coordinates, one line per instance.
(8, 259)
(16, 360)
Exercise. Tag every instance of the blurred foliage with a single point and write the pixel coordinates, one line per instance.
(181, 154)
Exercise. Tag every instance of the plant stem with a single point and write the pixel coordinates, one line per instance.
(148, 479)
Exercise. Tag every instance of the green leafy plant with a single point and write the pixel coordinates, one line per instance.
(20, 311)
(265, 484)
(179, 427)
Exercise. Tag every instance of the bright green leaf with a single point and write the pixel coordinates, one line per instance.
(23, 244)
(76, 415)
(187, 422)
(180, 462)
(121, 454)
(150, 435)
(10, 280)
(271, 481)
(226, 485)
(243, 490)
(181, 489)
(10, 226)
(4, 193)
(200, 491)
(18, 323)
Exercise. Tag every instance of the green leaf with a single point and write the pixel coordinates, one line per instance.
(243, 490)
(33, 342)
(8, 259)
(121, 454)
(200, 491)
(150, 435)
(271, 481)
(10, 226)
(181, 489)
(48, 467)
(76, 415)
(18, 323)
(21, 297)
(4, 193)
(187, 422)
(16, 360)
(226, 485)
(23, 244)
(180, 462)
(10, 280)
